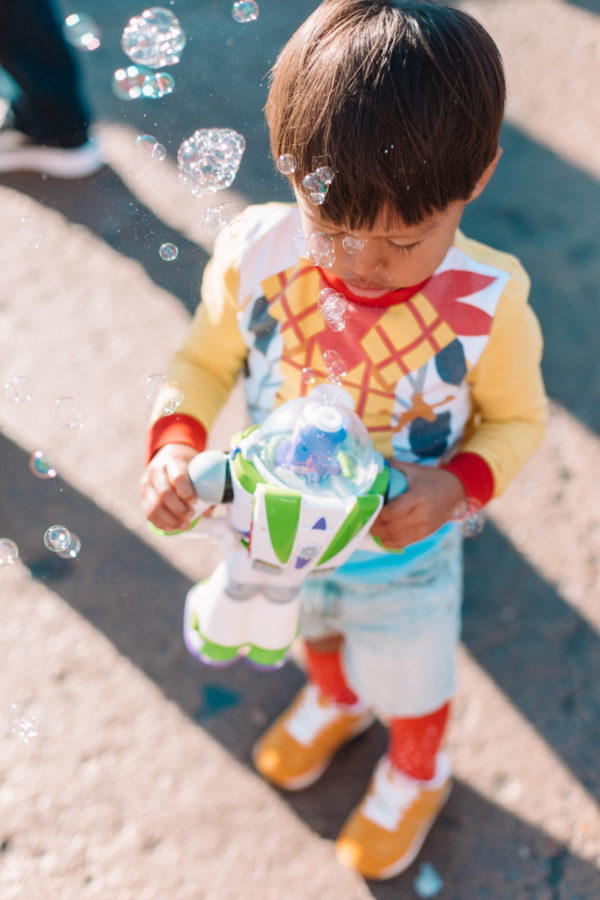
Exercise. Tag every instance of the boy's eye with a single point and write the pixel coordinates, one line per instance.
(405, 248)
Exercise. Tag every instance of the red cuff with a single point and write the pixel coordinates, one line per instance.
(176, 429)
(475, 474)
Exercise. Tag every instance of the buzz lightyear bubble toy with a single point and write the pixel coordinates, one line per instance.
(304, 488)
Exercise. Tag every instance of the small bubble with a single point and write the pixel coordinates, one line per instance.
(22, 723)
(335, 365)
(168, 252)
(150, 148)
(151, 386)
(73, 550)
(353, 244)
(287, 164)
(136, 81)
(217, 217)
(40, 465)
(67, 413)
(209, 160)
(18, 389)
(324, 174)
(57, 538)
(314, 189)
(9, 552)
(299, 245)
(244, 11)
(31, 232)
(309, 376)
(155, 38)
(81, 32)
(470, 517)
(333, 307)
(171, 398)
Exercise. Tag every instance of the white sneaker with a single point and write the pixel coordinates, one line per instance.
(18, 153)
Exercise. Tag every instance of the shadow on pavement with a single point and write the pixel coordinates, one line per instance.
(108, 209)
(134, 597)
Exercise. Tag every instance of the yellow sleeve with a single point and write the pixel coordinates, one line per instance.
(206, 365)
(507, 390)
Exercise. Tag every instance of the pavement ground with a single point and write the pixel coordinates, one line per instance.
(139, 783)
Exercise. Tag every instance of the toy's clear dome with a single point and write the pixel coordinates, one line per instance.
(315, 444)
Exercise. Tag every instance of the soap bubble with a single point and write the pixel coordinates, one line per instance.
(314, 189)
(9, 552)
(209, 160)
(31, 232)
(151, 386)
(321, 249)
(40, 465)
(171, 397)
(67, 413)
(73, 550)
(470, 516)
(309, 376)
(287, 164)
(22, 723)
(168, 252)
(335, 365)
(155, 38)
(245, 11)
(136, 81)
(216, 217)
(18, 389)
(81, 32)
(427, 883)
(333, 307)
(150, 148)
(353, 244)
(57, 538)
(324, 174)
(299, 245)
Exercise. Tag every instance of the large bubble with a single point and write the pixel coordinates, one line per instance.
(155, 38)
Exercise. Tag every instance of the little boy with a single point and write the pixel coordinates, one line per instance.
(402, 102)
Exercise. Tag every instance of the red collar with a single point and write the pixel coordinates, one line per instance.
(390, 299)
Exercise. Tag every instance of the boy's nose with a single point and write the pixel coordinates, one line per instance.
(367, 260)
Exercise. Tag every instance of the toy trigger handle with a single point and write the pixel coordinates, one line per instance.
(211, 478)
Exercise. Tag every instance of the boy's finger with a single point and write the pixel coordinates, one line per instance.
(167, 496)
(178, 477)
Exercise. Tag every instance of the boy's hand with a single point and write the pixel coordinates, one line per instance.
(429, 501)
(168, 497)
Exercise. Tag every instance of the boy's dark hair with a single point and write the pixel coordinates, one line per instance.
(403, 100)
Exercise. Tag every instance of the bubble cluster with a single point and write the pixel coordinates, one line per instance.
(19, 389)
(31, 232)
(333, 308)
(136, 81)
(22, 723)
(155, 38)
(217, 217)
(321, 249)
(209, 160)
(287, 164)
(352, 244)
(308, 375)
(244, 11)
(9, 552)
(150, 148)
(66, 412)
(316, 184)
(335, 365)
(171, 397)
(63, 542)
(470, 516)
(81, 32)
(168, 252)
(40, 465)
(151, 386)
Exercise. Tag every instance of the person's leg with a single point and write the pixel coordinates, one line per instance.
(50, 109)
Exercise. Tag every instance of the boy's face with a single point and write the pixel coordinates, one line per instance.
(387, 257)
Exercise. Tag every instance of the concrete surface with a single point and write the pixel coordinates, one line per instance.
(139, 783)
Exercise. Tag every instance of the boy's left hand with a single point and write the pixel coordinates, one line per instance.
(429, 501)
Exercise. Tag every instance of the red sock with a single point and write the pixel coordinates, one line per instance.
(325, 670)
(414, 742)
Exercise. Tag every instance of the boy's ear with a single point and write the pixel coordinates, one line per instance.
(485, 176)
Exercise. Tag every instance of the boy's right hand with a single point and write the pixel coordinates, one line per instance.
(168, 498)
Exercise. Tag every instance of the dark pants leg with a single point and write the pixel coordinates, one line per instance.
(50, 108)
